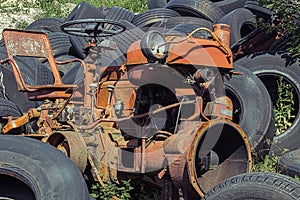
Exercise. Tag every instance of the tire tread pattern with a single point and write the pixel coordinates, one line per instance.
(248, 184)
(196, 8)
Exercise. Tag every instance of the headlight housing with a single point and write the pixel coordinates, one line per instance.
(154, 46)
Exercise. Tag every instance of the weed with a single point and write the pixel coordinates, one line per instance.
(108, 190)
(267, 165)
(284, 107)
(144, 192)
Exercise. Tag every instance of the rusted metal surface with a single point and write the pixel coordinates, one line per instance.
(72, 144)
(135, 55)
(167, 119)
(222, 31)
(26, 118)
(221, 107)
(211, 52)
(231, 155)
(34, 44)
(257, 41)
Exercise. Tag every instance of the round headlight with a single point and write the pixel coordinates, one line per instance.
(154, 46)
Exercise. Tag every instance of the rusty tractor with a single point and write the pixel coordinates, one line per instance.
(163, 113)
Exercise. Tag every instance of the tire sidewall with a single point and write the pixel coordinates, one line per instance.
(49, 173)
(278, 64)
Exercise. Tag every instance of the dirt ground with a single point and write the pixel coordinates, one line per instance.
(15, 12)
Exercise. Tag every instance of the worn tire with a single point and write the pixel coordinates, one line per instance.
(62, 50)
(269, 66)
(39, 171)
(256, 185)
(117, 13)
(85, 10)
(151, 4)
(174, 21)
(282, 44)
(34, 73)
(184, 29)
(289, 163)
(49, 24)
(258, 10)
(229, 5)
(149, 17)
(252, 110)
(127, 38)
(196, 8)
(8, 108)
(241, 21)
(10, 89)
(2, 43)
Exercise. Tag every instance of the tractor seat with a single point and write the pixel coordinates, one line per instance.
(21, 44)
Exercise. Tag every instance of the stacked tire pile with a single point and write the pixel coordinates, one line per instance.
(258, 54)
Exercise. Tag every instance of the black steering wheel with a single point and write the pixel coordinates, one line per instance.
(93, 27)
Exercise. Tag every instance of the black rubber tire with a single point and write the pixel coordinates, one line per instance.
(74, 76)
(47, 172)
(241, 21)
(11, 90)
(49, 24)
(184, 29)
(174, 21)
(196, 8)
(12, 93)
(259, 40)
(60, 43)
(256, 185)
(258, 10)
(62, 50)
(269, 67)
(289, 163)
(229, 5)
(8, 108)
(252, 110)
(104, 9)
(125, 39)
(34, 73)
(151, 4)
(2, 43)
(117, 13)
(116, 57)
(85, 10)
(282, 44)
(149, 17)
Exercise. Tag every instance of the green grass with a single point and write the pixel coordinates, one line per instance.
(58, 8)
(50, 7)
